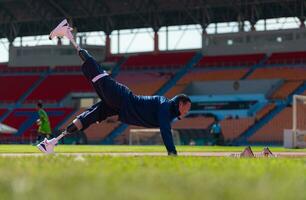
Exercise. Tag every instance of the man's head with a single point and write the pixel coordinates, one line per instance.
(184, 104)
(39, 105)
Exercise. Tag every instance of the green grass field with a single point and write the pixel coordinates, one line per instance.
(122, 148)
(145, 177)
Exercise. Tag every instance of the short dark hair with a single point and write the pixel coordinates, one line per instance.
(39, 104)
(183, 98)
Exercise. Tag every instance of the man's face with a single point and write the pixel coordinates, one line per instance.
(184, 108)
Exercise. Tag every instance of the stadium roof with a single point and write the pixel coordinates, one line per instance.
(35, 17)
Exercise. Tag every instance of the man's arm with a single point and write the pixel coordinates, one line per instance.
(165, 129)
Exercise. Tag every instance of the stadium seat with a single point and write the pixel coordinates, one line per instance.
(55, 87)
(286, 89)
(201, 123)
(144, 83)
(286, 73)
(264, 111)
(24, 120)
(205, 75)
(233, 128)
(298, 57)
(96, 132)
(13, 87)
(230, 60)
(160, 60)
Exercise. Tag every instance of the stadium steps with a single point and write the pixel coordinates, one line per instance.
(24, 96)
(116, 68)
(32, 88)
(256, 66)
(242, 140)
(196, 58)
(122, 127)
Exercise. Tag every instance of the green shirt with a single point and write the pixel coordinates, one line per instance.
(44, 126)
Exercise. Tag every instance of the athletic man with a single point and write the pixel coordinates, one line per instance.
(44, 129)
(117, 99)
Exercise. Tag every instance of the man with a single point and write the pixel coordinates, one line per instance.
(216, 132)
(44, 129)
(117, 99)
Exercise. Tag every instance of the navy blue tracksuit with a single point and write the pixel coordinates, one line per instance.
(117, 99)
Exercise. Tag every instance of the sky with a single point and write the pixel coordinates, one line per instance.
(141, 40)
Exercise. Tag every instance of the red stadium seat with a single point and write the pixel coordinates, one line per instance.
(160, 60)
(230, 60)
(287, 58)
(55, 87)
(13, 87)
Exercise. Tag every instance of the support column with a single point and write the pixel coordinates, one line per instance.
(205, 40)
(156, 42)
(302, 22)
(167, 38)
(253, 25)
(107, 45)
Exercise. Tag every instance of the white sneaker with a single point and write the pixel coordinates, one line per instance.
(61, 30)
(47, 146)
(267, 152)
(247, 152)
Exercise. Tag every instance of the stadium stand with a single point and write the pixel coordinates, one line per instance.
(24, 120)
(205, 75)
(64, 84)
(160, 60)
(68, 69)
(144, 82)
(13, 87)
(273, 130)
(232, 128)
(286, 89)
(230, 60)
(264, 111)
(287, 58)
(2, 111)
(34, 69)
(113, 58)
(200, 122)
(97, 132)
(286, 73)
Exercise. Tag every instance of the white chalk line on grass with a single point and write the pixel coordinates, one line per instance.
(131, 154)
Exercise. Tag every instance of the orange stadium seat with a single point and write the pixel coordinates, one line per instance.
(201, 123)
(287, 73)
(233, 128)
(286, 89)
(273, 130)
(96, 132)
(206, 75)
(143, 83)
(264, 111)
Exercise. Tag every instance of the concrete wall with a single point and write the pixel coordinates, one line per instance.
(208, 88)
(50, 55)
(255, 42)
